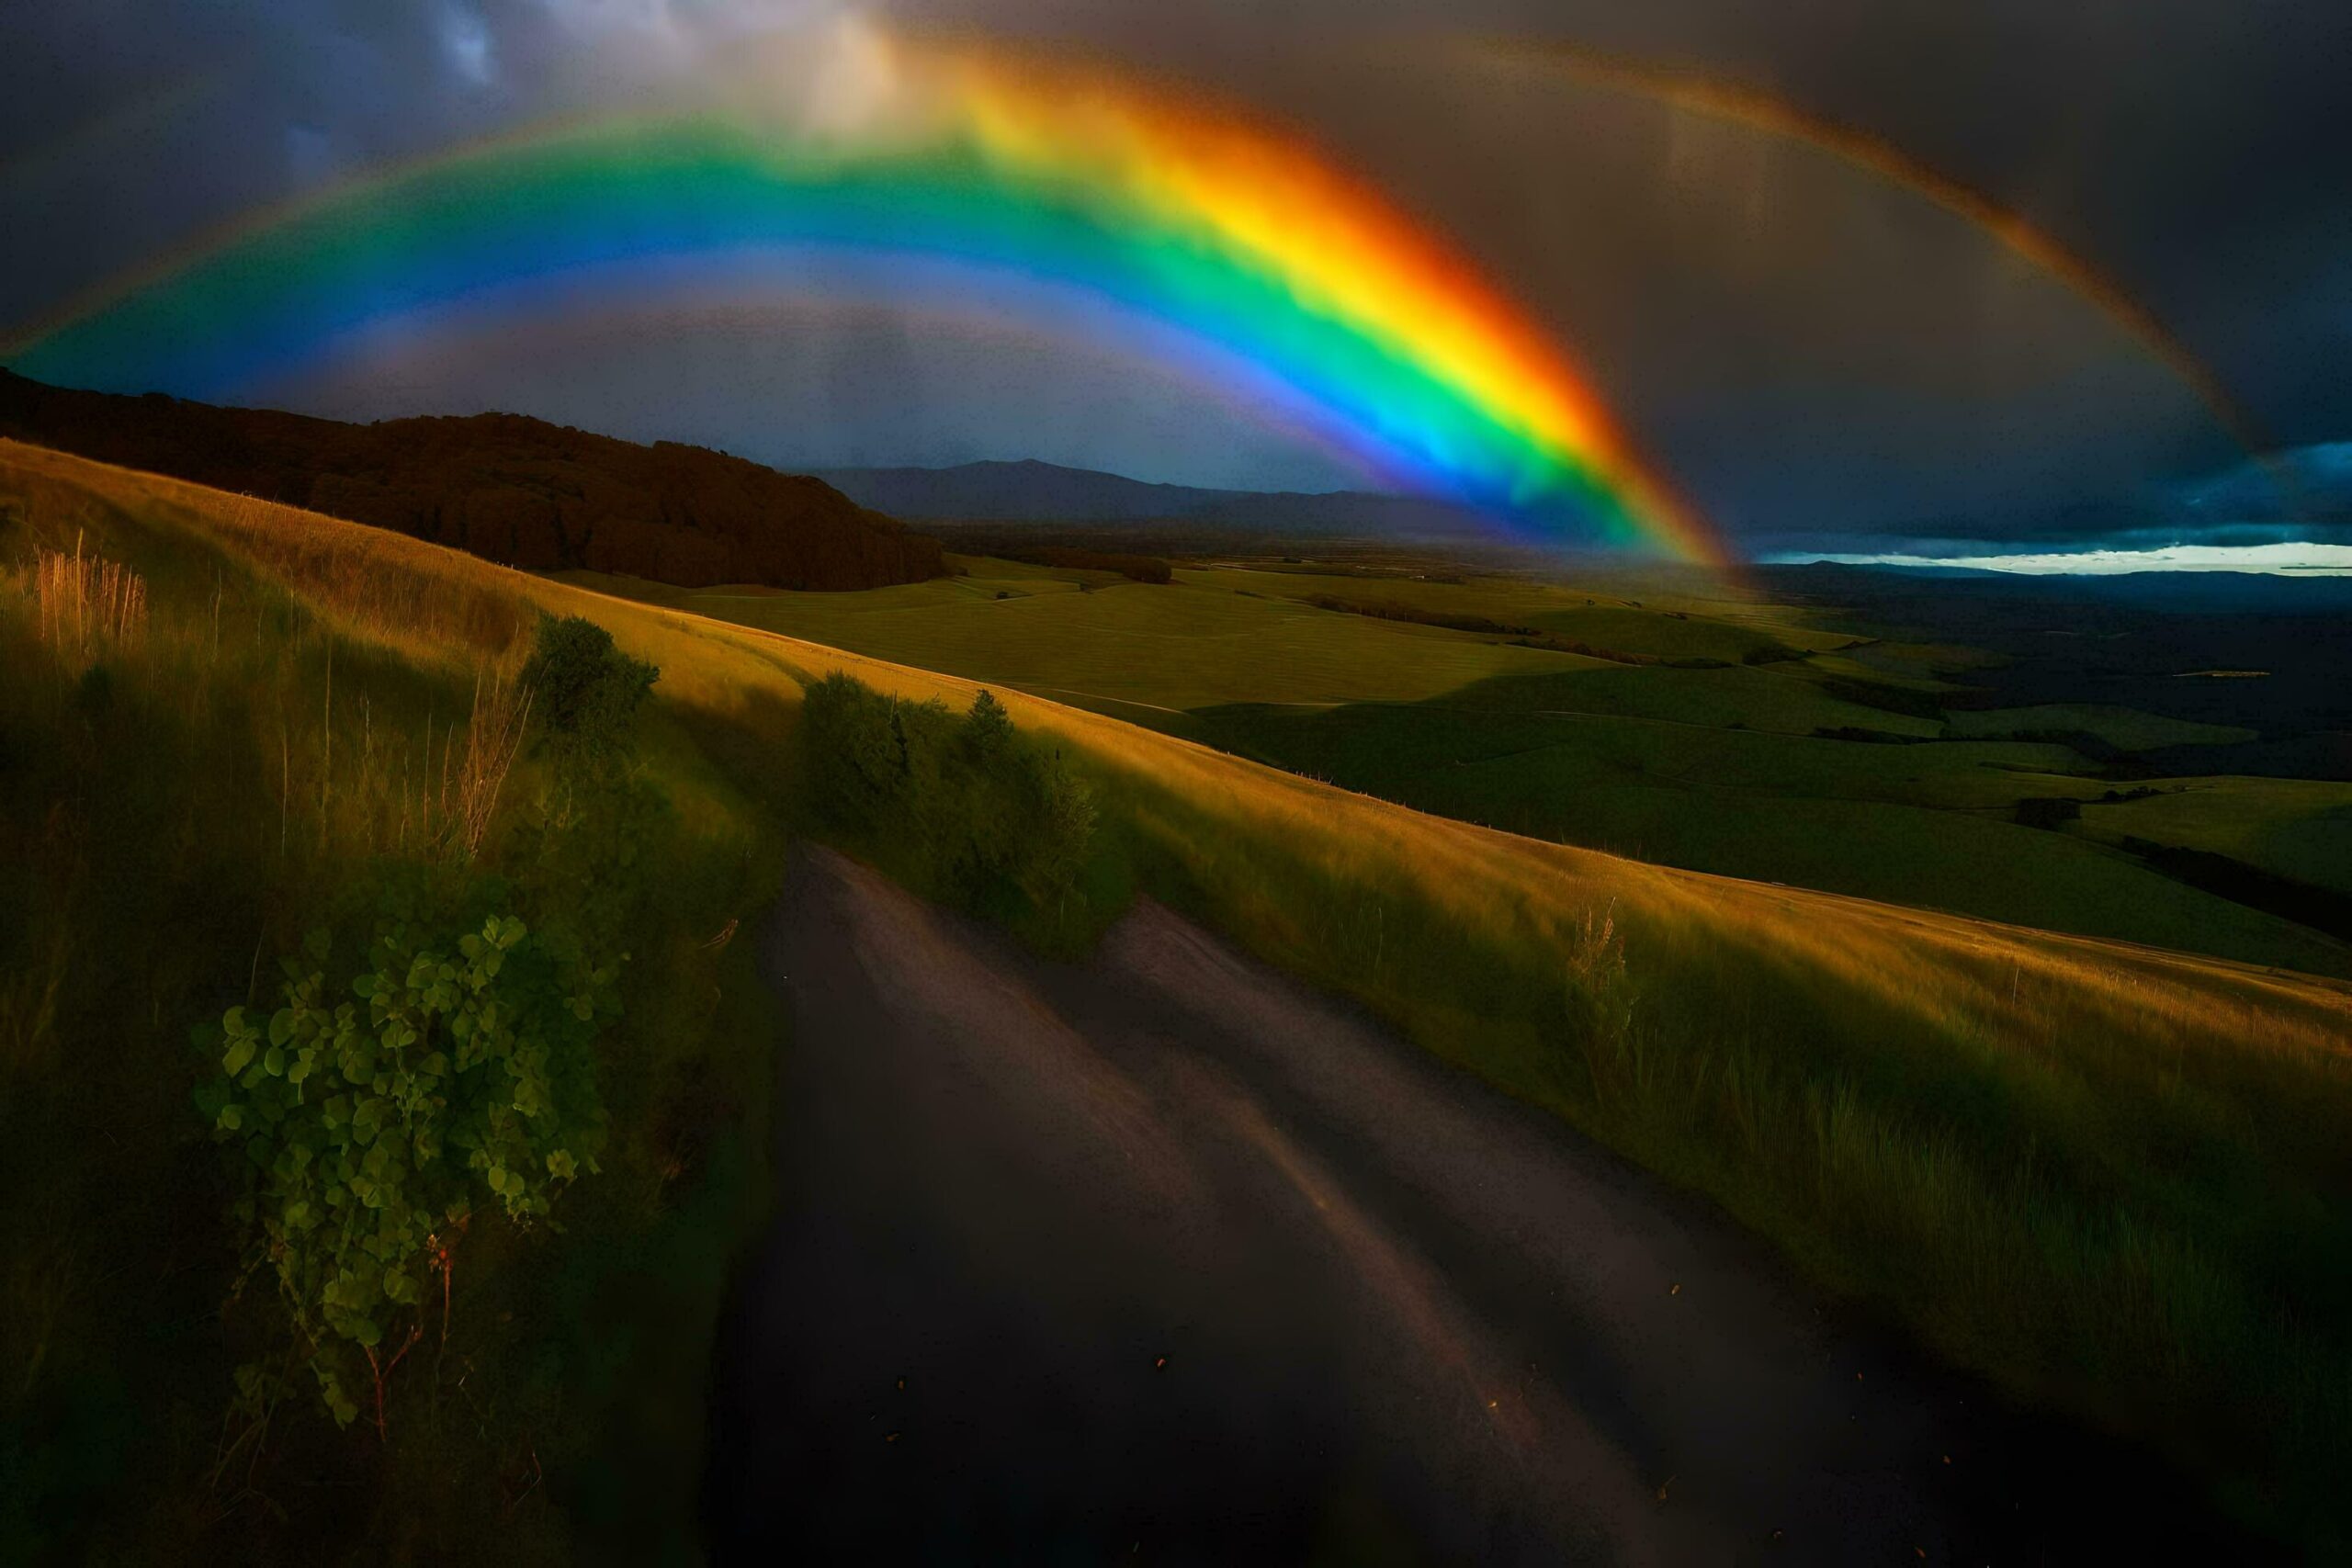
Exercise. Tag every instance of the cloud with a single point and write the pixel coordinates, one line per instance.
(466, 40)
(665, 34)
(310, 156)
(2297, 559)
(2309, 484)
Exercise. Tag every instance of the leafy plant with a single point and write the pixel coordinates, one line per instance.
(459, 1075)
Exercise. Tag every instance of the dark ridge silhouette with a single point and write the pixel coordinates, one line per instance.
(1138, 568)
(1392, 610)
(1030, 492)
(1024, 491)
(513, 490)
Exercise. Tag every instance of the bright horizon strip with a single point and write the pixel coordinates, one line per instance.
(1753, 110)
(2278, 560)
(1181, 216)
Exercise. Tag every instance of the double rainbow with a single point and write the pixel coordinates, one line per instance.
(1179, 218)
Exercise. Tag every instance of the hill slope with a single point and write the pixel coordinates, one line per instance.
(519, 492)
(2110, 1177)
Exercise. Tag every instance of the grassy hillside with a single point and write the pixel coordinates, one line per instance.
(2110, 1177)
(1712, 733)
(258, 726)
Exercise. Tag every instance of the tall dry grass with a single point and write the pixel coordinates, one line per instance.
(413, 784)
(352, 771)
(88, 602)
(471, 786)
(395, 591)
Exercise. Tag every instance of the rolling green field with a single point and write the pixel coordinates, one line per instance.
(1123, 646)
(2120, 727)
(1771, 746)
(2293, 827)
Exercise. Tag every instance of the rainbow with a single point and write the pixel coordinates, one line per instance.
(1180, 216)
(1751, 110)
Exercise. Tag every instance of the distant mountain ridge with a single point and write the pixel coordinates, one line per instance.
(1032, 492)
(514, 490)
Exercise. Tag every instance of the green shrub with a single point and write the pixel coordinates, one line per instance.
(860, 758)
(585, 694)
(967, 807)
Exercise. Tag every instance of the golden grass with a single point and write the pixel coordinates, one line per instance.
(502, 711)
(88, 603)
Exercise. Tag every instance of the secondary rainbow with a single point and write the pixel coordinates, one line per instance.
(1183, 217)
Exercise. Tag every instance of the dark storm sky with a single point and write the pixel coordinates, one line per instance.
(1808, 349)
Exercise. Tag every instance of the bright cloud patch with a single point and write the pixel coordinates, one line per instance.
(2282, 560)
(465, 38)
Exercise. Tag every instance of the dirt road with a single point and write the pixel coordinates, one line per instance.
(1163, 1258)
